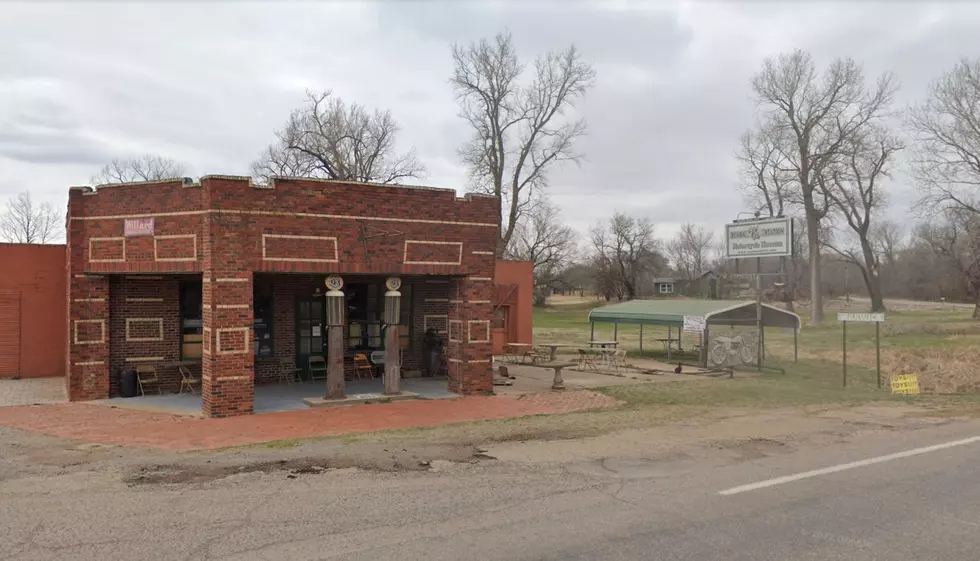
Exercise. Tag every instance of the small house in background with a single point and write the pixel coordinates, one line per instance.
(664, 286)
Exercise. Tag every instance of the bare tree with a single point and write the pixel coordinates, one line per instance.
(957, 239)
(814, 117)
(27, 222)
(690, 251)
(886, 237)
(330, 139)
(947, 133)
(141, 168)
(856, 191)
(626, 248)
(542, 239)
(519, 130)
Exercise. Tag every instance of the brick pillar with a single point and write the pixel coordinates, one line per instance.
(228, 365)
(469, 341)
(88, 337)
(87, 359)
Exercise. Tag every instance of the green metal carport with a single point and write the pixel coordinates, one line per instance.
(671, 313)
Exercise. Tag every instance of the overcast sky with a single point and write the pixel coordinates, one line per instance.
(206, 84)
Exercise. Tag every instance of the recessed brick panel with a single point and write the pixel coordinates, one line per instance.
(89, 331)
(431, 252)
(106, 249)
(299, 248)
(140, 330)
(177, 247)
(478, 331)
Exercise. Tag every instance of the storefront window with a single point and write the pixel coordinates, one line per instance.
(365, 309)
(262, 305)
(191, 321)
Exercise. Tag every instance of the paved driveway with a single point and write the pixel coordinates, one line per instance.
(31, 390)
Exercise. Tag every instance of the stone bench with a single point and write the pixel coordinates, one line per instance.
(558, 383)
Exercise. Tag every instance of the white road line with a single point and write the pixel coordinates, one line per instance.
(844, 467)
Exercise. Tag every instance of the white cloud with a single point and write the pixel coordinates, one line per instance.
(208, 83)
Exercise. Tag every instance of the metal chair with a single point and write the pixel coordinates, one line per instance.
(318, 368)
(619, 359)
(188, 380)
(288, 371)
(147, 374)
(586, 360)
(362, 365)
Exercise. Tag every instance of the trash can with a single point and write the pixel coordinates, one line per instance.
(127, 383)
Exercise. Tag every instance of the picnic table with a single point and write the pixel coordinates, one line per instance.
(603, 344)
(520, 349)
(668, 342)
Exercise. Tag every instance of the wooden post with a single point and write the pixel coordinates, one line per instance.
(641, 339)
(844, 348)
(393, 366)
(335, 362)
(878, 351)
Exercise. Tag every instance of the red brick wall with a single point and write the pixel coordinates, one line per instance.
(231, 230)
(150, 305)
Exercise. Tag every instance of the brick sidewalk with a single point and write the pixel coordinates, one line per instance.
(109, 425)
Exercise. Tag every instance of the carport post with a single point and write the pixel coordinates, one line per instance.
(641, 338)
(591, 331)
(796, 346)
(670, 333)
(704, 345)
(615, 332)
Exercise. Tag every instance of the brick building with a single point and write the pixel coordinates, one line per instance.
(228, 275)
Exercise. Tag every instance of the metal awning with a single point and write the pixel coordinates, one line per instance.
(672, 312)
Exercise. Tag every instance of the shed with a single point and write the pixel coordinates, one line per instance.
(671, 314)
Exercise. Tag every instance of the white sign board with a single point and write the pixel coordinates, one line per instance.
(864, 318)
(769, 237)
(694, 323)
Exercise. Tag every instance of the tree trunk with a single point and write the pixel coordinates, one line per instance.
(872, 280)
(816, 275)
(976, 305)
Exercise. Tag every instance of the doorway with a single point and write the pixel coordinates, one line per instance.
(310, 330)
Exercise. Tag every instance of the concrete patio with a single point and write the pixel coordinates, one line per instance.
(281, 397)
(31, 391)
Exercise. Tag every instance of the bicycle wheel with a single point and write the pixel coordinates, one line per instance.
(718, 355)
(747, 353)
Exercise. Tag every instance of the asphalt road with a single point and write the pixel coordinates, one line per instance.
(924, 506)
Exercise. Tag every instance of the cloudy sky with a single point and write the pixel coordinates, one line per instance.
(207, 83)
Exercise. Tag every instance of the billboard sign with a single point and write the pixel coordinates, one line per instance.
(767, 237)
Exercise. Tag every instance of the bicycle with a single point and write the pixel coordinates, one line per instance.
(740, 346)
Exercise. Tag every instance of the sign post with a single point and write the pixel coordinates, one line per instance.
(875, 318)
(758, 238)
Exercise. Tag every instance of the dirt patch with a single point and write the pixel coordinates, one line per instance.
(754, 448)
(363, 458)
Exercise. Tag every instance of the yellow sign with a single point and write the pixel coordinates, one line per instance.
(905, 384)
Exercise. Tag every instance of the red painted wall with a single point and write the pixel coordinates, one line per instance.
(514, 282)
(36, 275)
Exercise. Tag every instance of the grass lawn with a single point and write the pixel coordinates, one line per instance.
(937, 344)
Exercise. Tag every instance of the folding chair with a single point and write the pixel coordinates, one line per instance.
(288, 372)
(188, 380)
(147, 374)
(586, 360)
(362, 366)
(318, 368)
(619, 359)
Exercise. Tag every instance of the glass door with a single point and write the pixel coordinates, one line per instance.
(310, 331)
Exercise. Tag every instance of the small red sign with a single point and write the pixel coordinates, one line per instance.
(138, 227)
